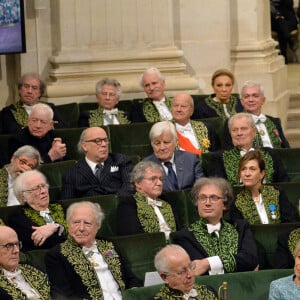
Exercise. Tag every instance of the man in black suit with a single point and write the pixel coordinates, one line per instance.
(156, 107)
(31, 89)
(181, 168)
(99, 172)
(269, 130)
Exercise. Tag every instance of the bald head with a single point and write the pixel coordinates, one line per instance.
(5, 232)
(182, 108)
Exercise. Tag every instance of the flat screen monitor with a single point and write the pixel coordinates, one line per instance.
(12, 27)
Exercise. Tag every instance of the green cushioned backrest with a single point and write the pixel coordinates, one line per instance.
(192, 210)
(245, 285)
(138, 251)
(83, 106)
(70, 136)
(291, 162)
(206, 162)
(266, 237)
(125, 105)
(130, 139)
(177, 199)
(109, 204)
(6, 211)
(36, 258)
(4, 142)
(69, 113)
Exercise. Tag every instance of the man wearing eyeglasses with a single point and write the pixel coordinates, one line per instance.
(99, 172)
(108, 92)
(177, 271)
(24, 159)
(39, 134)
(18, 281)
(39, 224)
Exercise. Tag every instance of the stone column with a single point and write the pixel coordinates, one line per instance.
(120, 39)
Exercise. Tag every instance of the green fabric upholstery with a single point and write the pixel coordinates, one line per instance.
(246, 285)
(291, 161)
(4, 142)
(124, 105)
(109, 204)
(69, 113)
(5, 212)
(35, 258)
(266, 240)
(71, 136)
(138, 251)
(206, 162)
(197, 98)
(130, 139)
(192, 210)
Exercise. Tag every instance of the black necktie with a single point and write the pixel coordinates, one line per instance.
(171, 175)
(99, 169)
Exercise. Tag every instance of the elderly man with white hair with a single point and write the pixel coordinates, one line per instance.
(39, 134)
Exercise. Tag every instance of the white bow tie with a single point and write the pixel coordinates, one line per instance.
(93, 249)
(44, 213)
(213, 228)
(12, 275)
(182, 129)
(243, 151)
(259, 119)
(113, 111)
(193, 293)
(154, 202)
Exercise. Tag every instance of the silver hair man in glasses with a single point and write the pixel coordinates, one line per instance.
(38, 223)
(18, 281)
(99, 172)
(177, 271)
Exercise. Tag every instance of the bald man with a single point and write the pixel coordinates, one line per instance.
(99, 172)
(18, 281)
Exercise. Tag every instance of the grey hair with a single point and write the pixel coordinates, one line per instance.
(160, 127)
(151, 70)
(109, 81)
(241, 115)
(250, 84)
(297, 249)
(29, 151)
(189, 97)
(139, 170)
(44, 108)
(33, 75)
(220, 183)
(95, 209)
(161, 259)
(19, 186)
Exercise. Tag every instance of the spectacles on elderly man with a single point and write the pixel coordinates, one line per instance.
(184, 271)
(98, 141)
(37, 189)
(10, 246)
(211, 198)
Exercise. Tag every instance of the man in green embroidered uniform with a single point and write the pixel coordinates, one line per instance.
(24, 159)
(18, 281)
(176, 269)
(84, 267)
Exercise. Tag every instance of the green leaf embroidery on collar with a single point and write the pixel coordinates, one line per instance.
(294, 238)
(96, 117)
(3, 187)
(201, 133)
(150, 111)
(218, 107)
(226, 246)
(247, 207)
(20, 114)
(147, 216)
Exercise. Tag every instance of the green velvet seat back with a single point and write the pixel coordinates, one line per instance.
(124, 105)
(138, 251)
(69, 113)
(4, 138)
(130, 139)
(6, 211)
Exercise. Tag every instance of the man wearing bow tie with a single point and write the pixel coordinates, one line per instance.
(99, 172)
(193, 136)
(269, 130)
(108, 92)
(39, 224)
(84, 267)
(177, 271)
(156, 107)
(181, 168)
(243, 133)
(19, 281)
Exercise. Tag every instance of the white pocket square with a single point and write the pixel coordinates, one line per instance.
(114, 169)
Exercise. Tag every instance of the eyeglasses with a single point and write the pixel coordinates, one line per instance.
(98, 141)
(37, 189)
(10, 246)
(110, 95)
(184, 271)
(211, 198)
(153, 179)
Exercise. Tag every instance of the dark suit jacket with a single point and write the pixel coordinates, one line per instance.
(203, 111)
(287, 211)
(284, 259)
(277, 122)
(23, 226)
(246, 257)
(79, 181)
(188, 169)
(67, 284)
(216, 167)
(10, 125)
(43, 145)
(128, 221)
